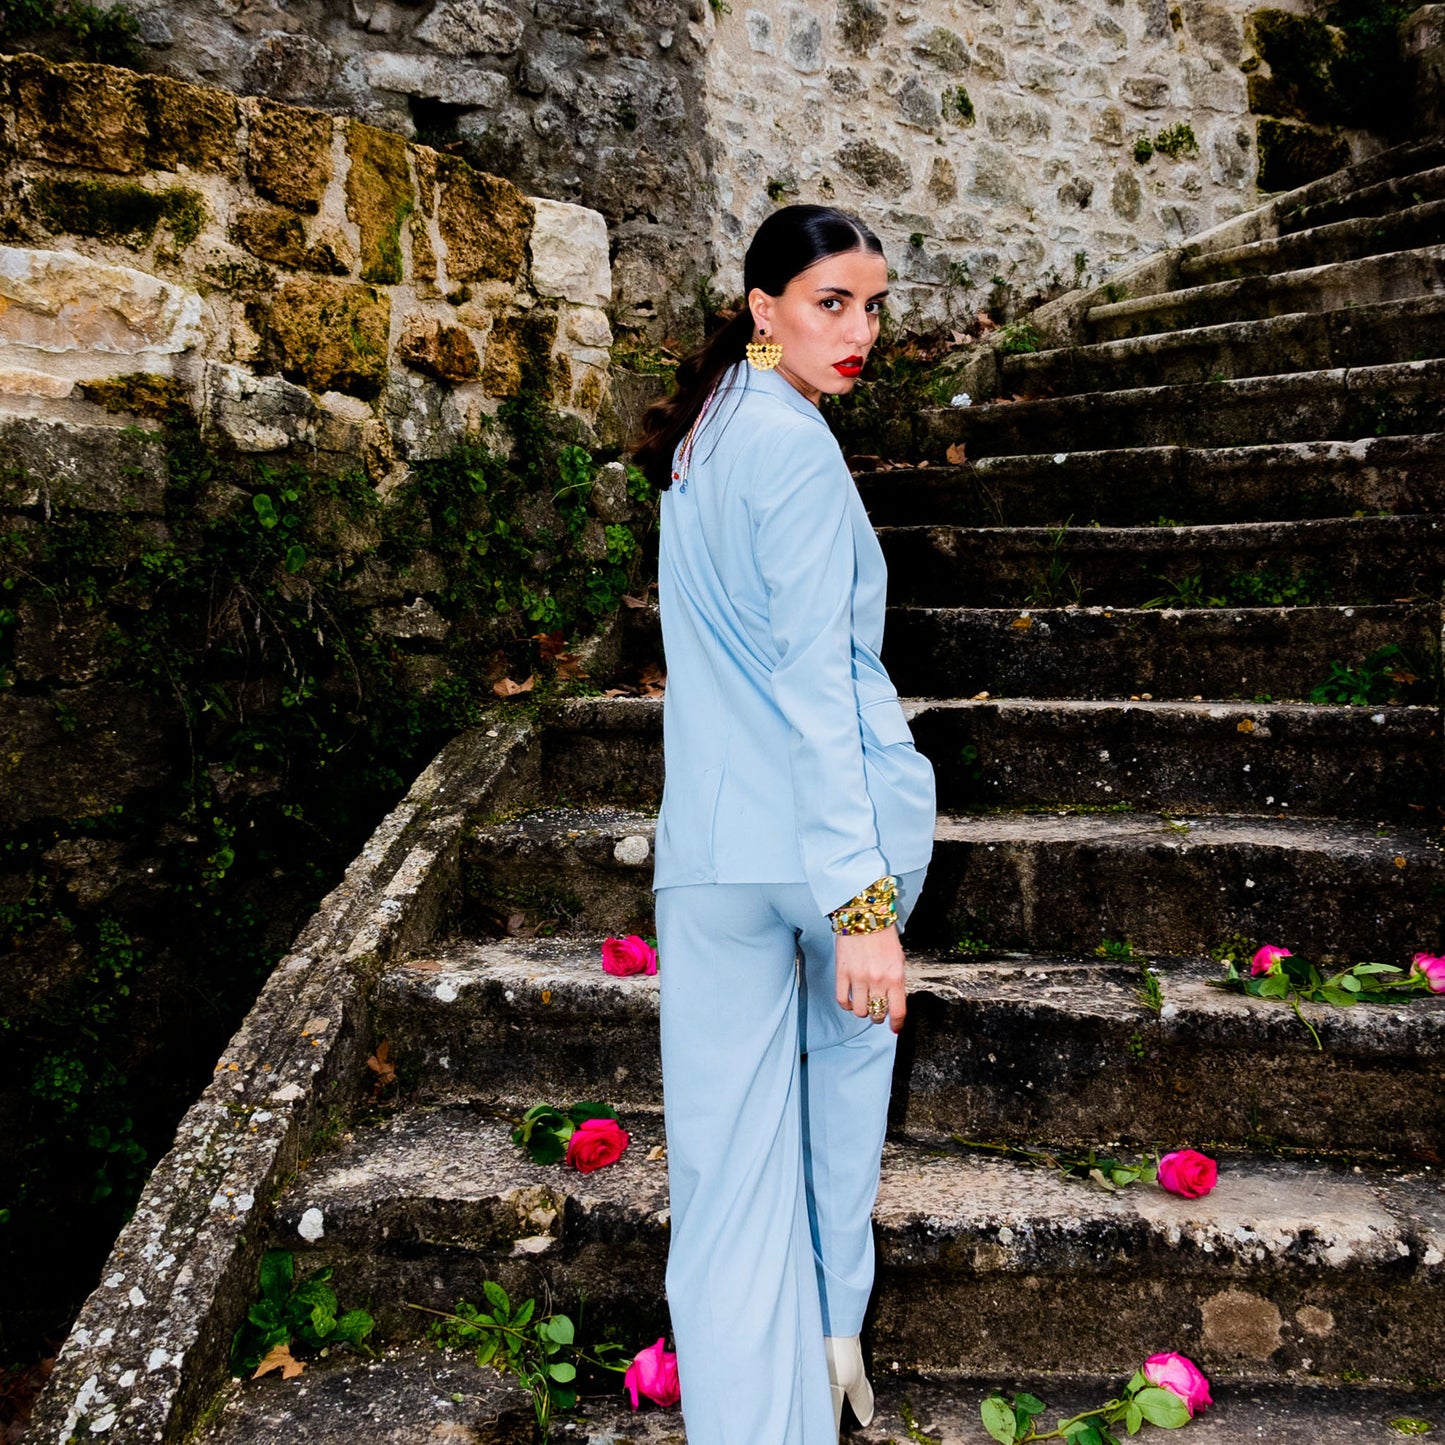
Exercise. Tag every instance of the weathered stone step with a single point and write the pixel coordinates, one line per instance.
(1391, 276)
(1195, 757)
(1185, 485)
(412, 1392)
(1338, 405)
(1283, 1263)
(1044, 883)
(1358, 560)
(1101, 652)
(1389, 331)
(1421, 224)
(1006, 1046)
(1411, 188)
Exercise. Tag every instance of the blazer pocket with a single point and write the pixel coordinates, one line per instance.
(884, 722)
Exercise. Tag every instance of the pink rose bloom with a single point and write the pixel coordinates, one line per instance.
(1184, 1377)
(1266, 960)
(1433, 970)
(1188, 1173)
(596, 1143)
(654, 1374)
(624, 956)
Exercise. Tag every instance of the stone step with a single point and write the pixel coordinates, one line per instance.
(1018, 1047)
(1357, 560)
(1067, 881)
(1338, 405)
(1287, 1267)
(1276, 481)
(1039, 882)
(1389, 331)
(1192, 757)
(1266, 653)
(1404, 229)
(1393, 194)
(1390, 276)
(412, 1392)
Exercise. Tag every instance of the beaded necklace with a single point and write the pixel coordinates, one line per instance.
(684, 452)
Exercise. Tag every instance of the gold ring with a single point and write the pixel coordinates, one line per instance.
(878, 1007)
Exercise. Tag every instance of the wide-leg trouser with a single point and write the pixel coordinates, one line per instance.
(773, 1160)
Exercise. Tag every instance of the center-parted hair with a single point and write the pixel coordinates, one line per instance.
(784, 246)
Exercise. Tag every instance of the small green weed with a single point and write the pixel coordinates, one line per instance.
(1383, 677)
(1019, 338)
(289, 1312)
(1149, 992)
(1184, 592)
(1116, 950)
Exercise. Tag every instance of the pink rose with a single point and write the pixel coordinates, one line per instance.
(595, 1144)
(1184, 1377)
(624, 956)
(1432, 969)
(1188, 1173)
(654, 1374)
(1266, 960)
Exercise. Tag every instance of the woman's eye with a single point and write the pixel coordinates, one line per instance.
(875, 308)
(830, 303)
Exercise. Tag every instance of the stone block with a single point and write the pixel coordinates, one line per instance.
(1293, 155)
(860, 24)
(942, 181)
(944, 49)
(190, 125)
(280, 237)
(997, 177)
(569, 253)
(417, 622)
(517, 344)
(257, 413)
(288, 154)
(330, 335)
(453, 82)
(485, 224)
(378, 199)
(25, 381)
(58, 301)
(118, 210)
(288, 66)
(471, 27)
(803, 45)
(874, 168)
(760, 33)
(917, 104)
(93, 468)
(445, 352)
(59, 642)
(78, 115)
(1146, 92)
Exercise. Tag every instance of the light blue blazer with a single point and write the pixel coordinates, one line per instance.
(788, 758)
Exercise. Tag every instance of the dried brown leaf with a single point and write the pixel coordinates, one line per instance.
(508, 688)
(280, 1359)
(957, 455)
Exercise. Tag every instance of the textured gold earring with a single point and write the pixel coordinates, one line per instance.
(764, 355)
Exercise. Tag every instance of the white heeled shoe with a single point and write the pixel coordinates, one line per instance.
(845, 1374)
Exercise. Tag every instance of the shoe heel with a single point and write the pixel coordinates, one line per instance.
(848, 1379)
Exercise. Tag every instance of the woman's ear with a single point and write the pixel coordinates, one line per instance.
(761, 305)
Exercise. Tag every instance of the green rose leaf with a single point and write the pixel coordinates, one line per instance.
(1133, 1417)
(1029, 1404)
(1136, 1384)
(548, 1148)
(580, 1113)
(1364, 968)
(1272, 986)
(1337, 996)
(998, 1420)
(1162, 1407)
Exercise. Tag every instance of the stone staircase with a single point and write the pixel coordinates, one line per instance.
(1250, 429)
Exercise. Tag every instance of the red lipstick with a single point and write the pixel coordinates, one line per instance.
(849, 366)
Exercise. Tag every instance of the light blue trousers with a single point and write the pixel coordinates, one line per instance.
(772, 1158)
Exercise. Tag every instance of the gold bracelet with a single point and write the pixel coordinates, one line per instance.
(872, 910)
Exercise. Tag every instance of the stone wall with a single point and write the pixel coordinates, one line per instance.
(307, 278)
(985, 138)
(597, 102)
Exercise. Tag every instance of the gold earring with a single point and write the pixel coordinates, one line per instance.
(764, 355)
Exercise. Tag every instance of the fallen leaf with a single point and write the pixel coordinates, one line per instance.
(550, 644)
(655, 1153)
(956, 455)
(1021, 624)
(381, 1066)
(653, 681)
(986, 322)
(1245, 725)
(1399, 862)
(569, 666)
(617, 692)
(633, 601)
(280, 1359)
(980, 697)
(508, 688)
(424, 965)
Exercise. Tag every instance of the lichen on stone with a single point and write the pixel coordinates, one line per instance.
(280, 237)
(288, 154)
(330, 335)
(484, 221)
(190, 125)
(141, 393)
(378, 199)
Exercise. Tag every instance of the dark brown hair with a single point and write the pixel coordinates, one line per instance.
(784, 246)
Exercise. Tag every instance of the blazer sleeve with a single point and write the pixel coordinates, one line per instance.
(803, 541)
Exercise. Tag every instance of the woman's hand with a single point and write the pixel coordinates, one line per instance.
(869, 965)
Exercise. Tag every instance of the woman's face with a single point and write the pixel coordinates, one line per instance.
(826, 321)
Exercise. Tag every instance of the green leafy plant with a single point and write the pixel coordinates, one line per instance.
(1383, 677)
(1177, 140)
(1018, 338)
(1119, 950)
(289, 1312)
(540, 1351)
(1014, 1419)
(106, 34)
(1149, 992)
(1143, 148)
(1184, 592)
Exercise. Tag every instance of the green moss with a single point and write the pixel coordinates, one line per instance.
(141, 393)
(1143, 149)
(1292, 155)
(379, 199)
(1176, 141)
(957, 106)
(118, 211)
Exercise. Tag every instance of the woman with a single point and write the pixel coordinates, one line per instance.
(796, 825)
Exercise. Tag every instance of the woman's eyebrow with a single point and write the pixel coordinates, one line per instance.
(844, 291)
